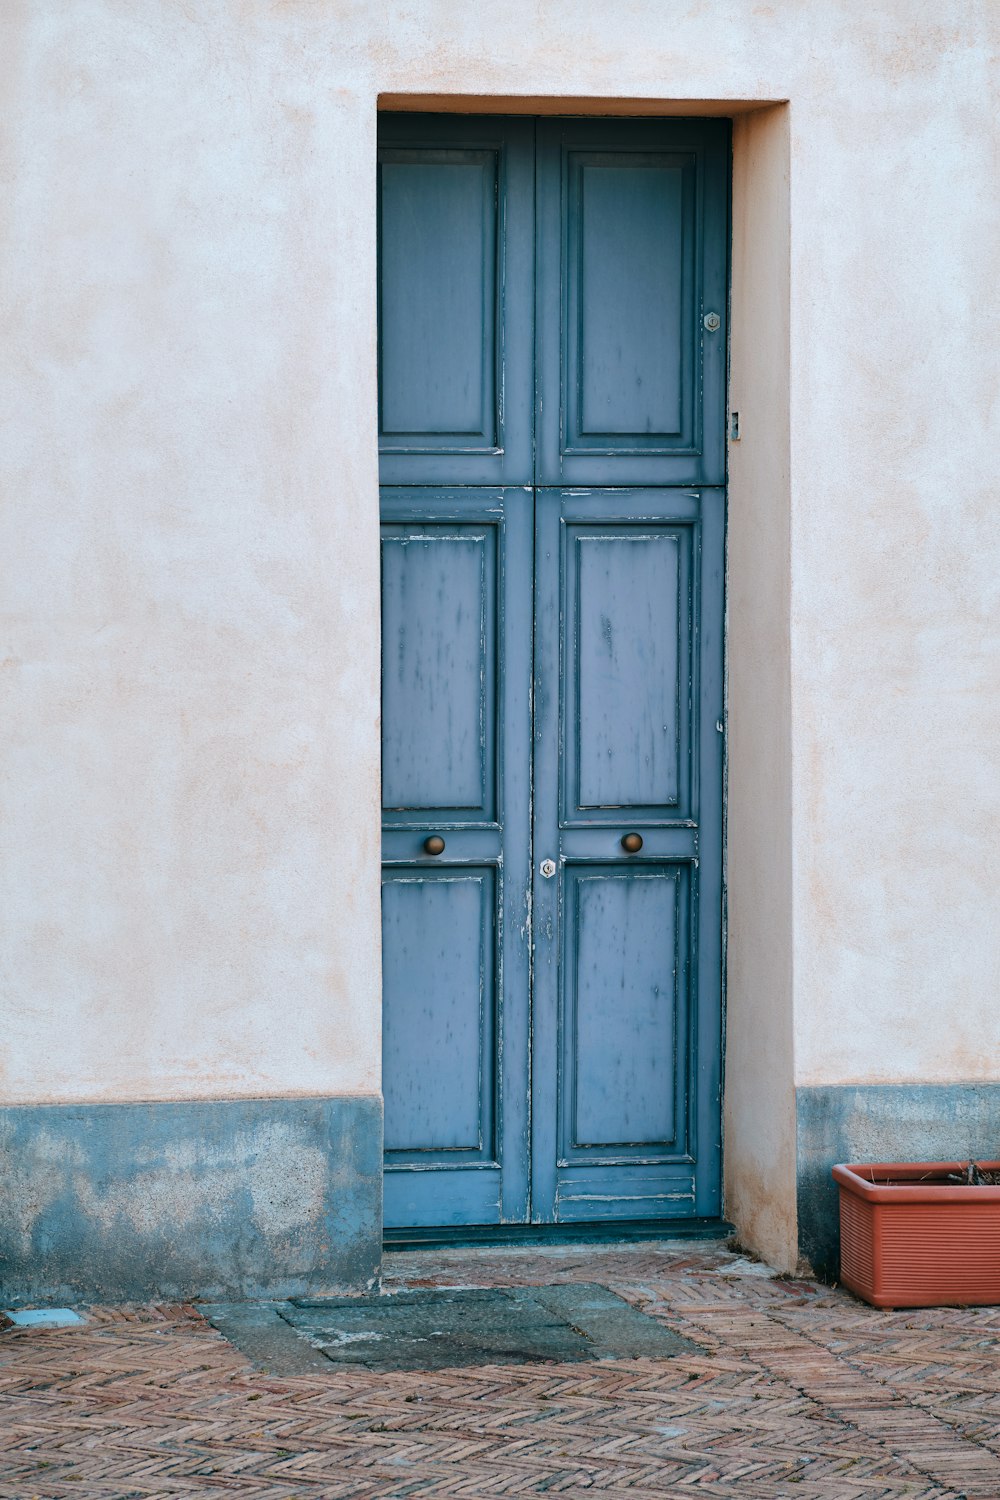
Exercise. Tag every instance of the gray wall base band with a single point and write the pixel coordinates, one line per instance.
(283, 1197)
(881, 1122)
(231, 1198)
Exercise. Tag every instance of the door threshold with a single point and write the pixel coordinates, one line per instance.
(558, 1234)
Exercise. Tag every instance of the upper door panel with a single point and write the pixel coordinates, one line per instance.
(439, 608)
(456, 237)
(631, 261)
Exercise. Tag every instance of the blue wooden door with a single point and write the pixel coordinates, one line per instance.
(552, 390)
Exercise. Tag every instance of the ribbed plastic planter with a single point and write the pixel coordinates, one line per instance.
(911, 1238)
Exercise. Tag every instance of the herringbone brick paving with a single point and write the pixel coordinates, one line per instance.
(802, 1392)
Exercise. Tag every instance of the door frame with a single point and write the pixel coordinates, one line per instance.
(759, 1152)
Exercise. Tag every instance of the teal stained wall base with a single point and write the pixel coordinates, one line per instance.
(881, 1122)
(283, 1197)
(230, 1198)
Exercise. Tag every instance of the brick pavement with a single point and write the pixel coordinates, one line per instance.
(803, 1392)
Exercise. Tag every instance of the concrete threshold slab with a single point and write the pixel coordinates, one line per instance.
(446, 1328)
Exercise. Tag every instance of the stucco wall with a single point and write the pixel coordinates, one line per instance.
(189, 900)
(190, 575)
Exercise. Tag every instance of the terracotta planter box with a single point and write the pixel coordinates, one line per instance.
(911, 1238)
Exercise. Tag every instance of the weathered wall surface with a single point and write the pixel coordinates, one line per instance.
(190, 620)
(236, 1197)
(881, 1122)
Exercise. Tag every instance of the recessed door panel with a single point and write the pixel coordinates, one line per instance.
(439, 927)
(628, 328)
(626, 669)
(626, 969)
(439, 298)
(439, 643)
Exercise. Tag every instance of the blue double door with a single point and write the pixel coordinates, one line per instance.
(552, 336)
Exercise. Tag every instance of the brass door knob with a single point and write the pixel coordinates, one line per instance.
(434, 845)
(632, 843)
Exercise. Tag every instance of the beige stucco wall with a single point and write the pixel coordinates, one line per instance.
(190, 560)
(189, 901)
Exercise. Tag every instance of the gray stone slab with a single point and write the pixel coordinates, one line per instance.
(446, 1328)
(270, 1343)
(615, 1328)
